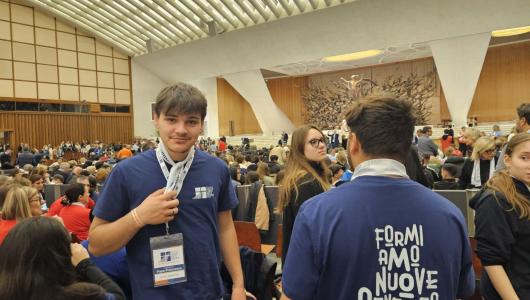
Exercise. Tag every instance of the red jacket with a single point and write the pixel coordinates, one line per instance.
(5, 227)
(76, 220)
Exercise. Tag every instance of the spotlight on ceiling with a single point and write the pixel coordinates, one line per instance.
(510, 31)
(353, 56)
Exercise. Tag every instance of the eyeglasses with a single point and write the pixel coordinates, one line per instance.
(316, 142)
(489, 151)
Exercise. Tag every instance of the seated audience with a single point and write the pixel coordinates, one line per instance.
(75, 215)
(37, 261)
(448, 181)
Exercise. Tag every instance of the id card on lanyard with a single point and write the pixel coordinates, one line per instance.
(167, 251)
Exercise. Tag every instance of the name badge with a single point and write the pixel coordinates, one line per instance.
(167, 255)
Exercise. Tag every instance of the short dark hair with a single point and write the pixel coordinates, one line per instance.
(523, 111)
(335, 168)
(383, 126)
(252, 176)
(451, 169)
(35, 177)
(73, 192)
(58, 177)
(426, 129)
(181, 98)
(233, 171)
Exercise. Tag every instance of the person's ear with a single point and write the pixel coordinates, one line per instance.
(507, 161)
(353, 144)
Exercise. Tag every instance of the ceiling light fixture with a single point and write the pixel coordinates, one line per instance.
(353, 56)
(510, 31)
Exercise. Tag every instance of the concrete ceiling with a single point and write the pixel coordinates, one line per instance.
(388, 55)
(143, 26)
(296, 45)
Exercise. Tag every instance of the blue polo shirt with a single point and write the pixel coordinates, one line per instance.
(379, 238)
(131, 181)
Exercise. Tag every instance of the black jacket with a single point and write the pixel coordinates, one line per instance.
(308, 187)
(502, 239)
(88, 272)
(446, 185)
(467, 172)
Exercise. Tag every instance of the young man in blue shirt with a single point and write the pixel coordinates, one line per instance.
(170, 255)
(382, 235)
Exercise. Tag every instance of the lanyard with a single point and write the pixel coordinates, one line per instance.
(175, 177)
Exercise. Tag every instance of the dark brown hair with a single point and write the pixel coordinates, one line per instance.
(181, 98)
(383, 126)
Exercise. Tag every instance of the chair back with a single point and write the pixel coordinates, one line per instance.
(243, 195)
(54, 191)
(461, 199)
(272, 195)
(248, 235)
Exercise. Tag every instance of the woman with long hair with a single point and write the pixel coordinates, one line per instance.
(502, 226)
(21, 202)
(480, 166)
(37, 261)
(306, 175)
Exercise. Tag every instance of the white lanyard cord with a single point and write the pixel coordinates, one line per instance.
(175, 177)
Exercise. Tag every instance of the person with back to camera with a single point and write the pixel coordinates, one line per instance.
(38, 262)
(75, 214)
(381, 235)
(306, 175)
(502, 225)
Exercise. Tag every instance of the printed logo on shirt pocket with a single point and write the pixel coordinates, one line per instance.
(203, 192)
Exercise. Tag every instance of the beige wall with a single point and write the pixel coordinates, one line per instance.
(45, 59)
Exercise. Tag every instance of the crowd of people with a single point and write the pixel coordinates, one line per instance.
(153, 219)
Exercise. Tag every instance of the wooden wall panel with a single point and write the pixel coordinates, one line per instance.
(40, 128)
(444, 109)
(233, 107)
(504, 83)
(287, 94)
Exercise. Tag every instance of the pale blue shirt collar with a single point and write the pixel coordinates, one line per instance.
(380, 167)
